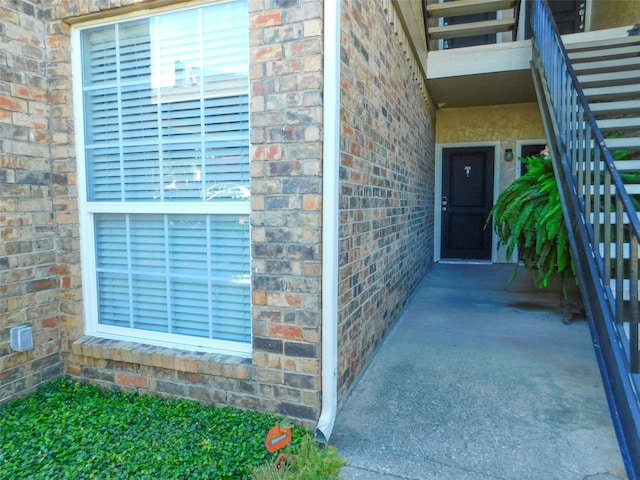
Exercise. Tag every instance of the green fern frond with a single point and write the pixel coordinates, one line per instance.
(528, 216)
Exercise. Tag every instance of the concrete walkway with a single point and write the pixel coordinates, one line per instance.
(480, 379)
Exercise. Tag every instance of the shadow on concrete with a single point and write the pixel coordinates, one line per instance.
(480, 379)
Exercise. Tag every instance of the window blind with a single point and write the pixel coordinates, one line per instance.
(186, 274)
(166, 120)
(166, 105)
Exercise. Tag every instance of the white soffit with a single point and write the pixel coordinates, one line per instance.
(482, 59)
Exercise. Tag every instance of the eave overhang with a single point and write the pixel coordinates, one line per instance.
(481, 75)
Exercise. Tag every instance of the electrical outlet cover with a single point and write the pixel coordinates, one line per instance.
(21, 338)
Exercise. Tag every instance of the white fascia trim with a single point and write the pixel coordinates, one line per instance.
(330, 188)
(410, 22)
(481, 59)
(87, 261)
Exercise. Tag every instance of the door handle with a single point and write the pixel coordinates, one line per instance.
(444, 204)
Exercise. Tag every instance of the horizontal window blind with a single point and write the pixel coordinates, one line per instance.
(166, 119)
(166, 105)
(186, 274)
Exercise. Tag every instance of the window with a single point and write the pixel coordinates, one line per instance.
(163, 149)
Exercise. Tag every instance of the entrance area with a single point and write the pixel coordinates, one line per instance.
(467, 198)
(480, 379)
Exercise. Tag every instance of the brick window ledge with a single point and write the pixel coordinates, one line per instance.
(201, 363)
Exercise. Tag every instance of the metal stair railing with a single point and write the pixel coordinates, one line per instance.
(603, 227)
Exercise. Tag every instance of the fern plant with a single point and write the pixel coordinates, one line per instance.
(528, 217)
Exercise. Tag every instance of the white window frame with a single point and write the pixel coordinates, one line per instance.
(87, 210)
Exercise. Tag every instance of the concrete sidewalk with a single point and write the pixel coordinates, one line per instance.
(480, 379)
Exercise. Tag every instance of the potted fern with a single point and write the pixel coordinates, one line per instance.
(528, 217)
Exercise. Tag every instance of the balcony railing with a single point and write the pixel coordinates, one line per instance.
(472, 22)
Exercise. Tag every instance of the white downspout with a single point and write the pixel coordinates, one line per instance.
(330, 164)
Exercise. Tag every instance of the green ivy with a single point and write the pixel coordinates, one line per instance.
(68, 430)
(528, 217)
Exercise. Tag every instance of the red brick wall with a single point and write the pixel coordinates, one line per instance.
(386, 180)
(29, 271)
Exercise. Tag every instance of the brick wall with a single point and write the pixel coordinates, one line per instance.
(286, 111)
(28, 257)
(64, 179)
(385, 236)
(386, 180)
(286, 133)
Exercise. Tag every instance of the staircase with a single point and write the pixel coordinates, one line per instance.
(589, 98)
(609, 74)
(471, 18)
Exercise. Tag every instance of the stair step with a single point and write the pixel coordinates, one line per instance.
(472, 28)
(626, 288)
(467, 7)
(607, 108)
(631, 188)
(617, 143)
(609, 78)
(629, 123)
(628, 165)
(619, 64)
(601, 44)
(604, 54)
(612, 219)
(621, 166)
(616, 91)
(626, 250)
(623, 142)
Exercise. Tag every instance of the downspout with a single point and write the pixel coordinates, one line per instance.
(330, 163)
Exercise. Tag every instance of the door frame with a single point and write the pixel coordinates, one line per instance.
(519, 145)
(525, 13)
(437, 190)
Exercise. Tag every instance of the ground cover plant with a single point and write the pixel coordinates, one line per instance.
(68, 430)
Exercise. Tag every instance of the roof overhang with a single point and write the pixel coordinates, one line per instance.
(481, 75)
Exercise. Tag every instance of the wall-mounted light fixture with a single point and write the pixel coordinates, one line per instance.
(508, 155)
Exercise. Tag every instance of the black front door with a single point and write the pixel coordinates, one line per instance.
(467, 198)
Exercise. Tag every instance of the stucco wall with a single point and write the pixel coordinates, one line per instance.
(614, 13)
(503, 123)
(30, 250)
(496, 122)
(386, 181)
